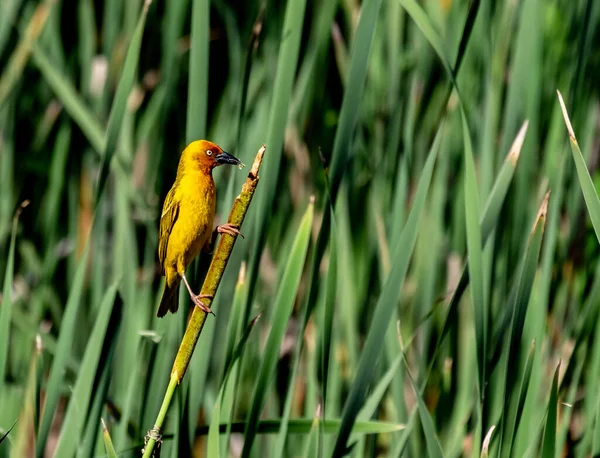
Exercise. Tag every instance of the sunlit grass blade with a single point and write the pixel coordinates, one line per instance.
(485, 448)
(14, 69)
(388, 298)
(549, 442)
(119, 105)
(80, 398)
(7, 305)
(68, 328)
(108, 445)
(585, 180)
(282, 309)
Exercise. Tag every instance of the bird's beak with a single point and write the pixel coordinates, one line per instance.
(226, 158)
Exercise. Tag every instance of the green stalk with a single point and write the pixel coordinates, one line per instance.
(14, 69)
(211, 283)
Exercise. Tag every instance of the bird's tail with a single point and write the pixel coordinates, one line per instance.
(170, 299)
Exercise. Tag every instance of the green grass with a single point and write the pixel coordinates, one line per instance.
(438, 296)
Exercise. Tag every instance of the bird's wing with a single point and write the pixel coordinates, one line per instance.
(167, 221)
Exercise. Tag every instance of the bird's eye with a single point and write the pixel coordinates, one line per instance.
(209, 152)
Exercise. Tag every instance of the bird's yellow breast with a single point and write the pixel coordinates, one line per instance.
(193, 228)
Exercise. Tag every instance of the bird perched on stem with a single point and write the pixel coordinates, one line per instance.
(186, 223)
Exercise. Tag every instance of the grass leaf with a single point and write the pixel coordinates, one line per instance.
(549, 442)
(585, 180)
(74, 419)
(7, 305)
(197, 104)
(283, 308)
(63, 351)
(385, 306)
(117, 111)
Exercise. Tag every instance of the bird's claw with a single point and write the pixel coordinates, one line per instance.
(230, 229)
(201, 305)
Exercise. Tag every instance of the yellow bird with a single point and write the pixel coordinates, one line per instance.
(186, 223)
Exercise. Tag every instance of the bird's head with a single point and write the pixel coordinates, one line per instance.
(207, 155)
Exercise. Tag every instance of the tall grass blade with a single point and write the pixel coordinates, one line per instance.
(278, 115)
(74, 420)
(108, 445)
(549, 442)
(214, 448)
(585, 180)
(28, 420)
(7, 293)
(488, 221)
(475, 263)
(361, 47)
(10, 8)
(283, 308)
(386, 304)
(304, 425)
(70, 99)
(516, 420)
(311, 448)
(434, 449)
(197, 105)
(63, 352)
(119, 105)
(8, 431)
(329, 311)
(519, 309)
(13, 70)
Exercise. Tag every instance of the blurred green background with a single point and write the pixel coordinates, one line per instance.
(430, 302)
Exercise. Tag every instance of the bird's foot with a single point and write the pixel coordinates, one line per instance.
(201, 305)
(230, 229)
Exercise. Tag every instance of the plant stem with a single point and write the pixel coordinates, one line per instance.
(211, 283)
